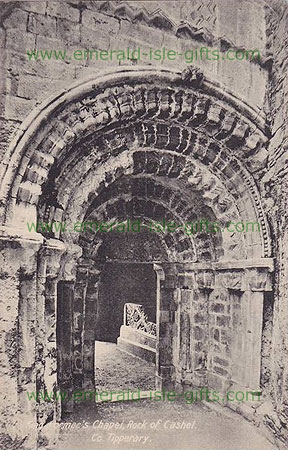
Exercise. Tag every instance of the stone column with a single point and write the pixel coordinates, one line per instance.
(17, 325)
(48, 412)
(193, 324)
(165, 320)
(65, 294)
(258, 281)
(91, 300)
(69, 371)
(80, 288)
(242, 321)
(79, 298)
(183, 338)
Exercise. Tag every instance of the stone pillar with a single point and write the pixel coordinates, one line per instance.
(258, 281)
(91, 301)
(183, 338)
(165, 320)
(65, 294)
(254, 307)
(79, 297)
(17, 328)
(69, 356)
(48, 412)
(240, 323)
(80, 288)
(193, 325)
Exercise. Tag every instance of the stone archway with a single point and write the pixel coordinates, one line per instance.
(154, 143)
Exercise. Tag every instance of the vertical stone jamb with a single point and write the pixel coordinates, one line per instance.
(258, 281)
(165, 319)
(18, 317)
(68, 358)
(91, 302)
(48, 412)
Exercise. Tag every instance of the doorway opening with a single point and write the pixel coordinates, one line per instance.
(125, 328)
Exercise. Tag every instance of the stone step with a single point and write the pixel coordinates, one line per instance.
(136, 349)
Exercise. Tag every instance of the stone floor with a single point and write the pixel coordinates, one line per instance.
(150, 424)
(118, 370)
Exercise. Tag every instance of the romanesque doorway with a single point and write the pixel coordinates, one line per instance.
(148, 145)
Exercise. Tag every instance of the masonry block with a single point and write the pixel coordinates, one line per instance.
(17, 108)
(44, 25)
(101, 22)
(17, 19)
(91, 40)
(37, 7)
(20, 41)
(63, 11)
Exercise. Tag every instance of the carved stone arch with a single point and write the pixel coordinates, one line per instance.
(193, 178)
(178, 246)
(124, 95)
(156, 248)
(173, 129)
(157, 97)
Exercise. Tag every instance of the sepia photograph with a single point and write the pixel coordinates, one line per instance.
(144, 225)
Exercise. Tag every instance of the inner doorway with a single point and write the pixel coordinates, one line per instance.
(122, 283)
(125, 327)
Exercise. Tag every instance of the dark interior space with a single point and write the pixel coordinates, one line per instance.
(122, 283)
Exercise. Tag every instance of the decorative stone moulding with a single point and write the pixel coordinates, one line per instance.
(185, 115)
(199, 24)
(252, 275)
(69, 262)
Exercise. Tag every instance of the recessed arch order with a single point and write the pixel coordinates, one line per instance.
(155, 125)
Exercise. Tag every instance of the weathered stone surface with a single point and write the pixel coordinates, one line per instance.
(43, 25)
(197, 139)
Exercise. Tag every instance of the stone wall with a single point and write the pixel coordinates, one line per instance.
(275, 191)
(102, 25)
(209, 351)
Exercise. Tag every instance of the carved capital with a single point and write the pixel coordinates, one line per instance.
(187, 280)
(18, 251)
(205, 279)
(69, 262)
(94, 275)
(258, 280)
(159, 271)
(197, 279)
(232, 280)
(90, 252)
(50, 255)
(193, 76)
